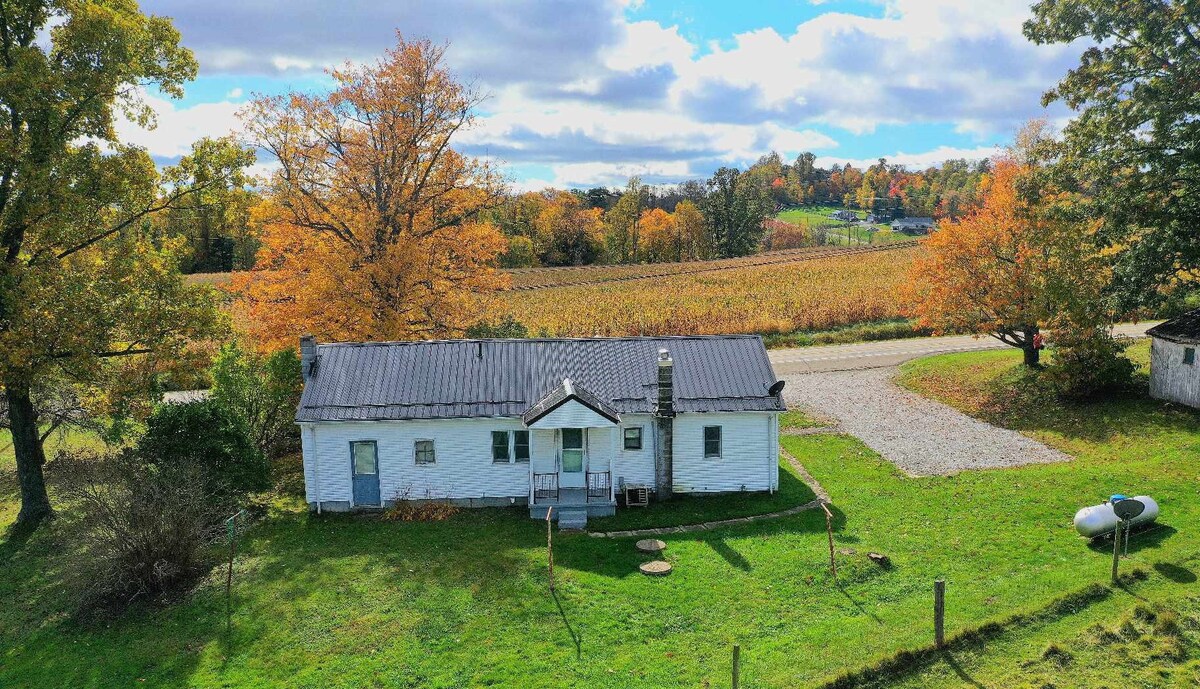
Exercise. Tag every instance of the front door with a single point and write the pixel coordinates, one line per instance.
(572, 458)
(364, 465)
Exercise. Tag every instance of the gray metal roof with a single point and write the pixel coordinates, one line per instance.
(1184, 329)
(481, 378)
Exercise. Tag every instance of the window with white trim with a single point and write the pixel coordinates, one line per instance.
(521, 446)
(712, 441)
(423, 452)
(633, 438)
(1189, 355)
(499, 446)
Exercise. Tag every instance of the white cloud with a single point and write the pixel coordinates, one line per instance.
(178, 128)
(917, 161)
(579, 88)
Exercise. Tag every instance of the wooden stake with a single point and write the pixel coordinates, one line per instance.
(550, 546)
(829, 530)
(1116, 549)
(737, 664)
(939, 613)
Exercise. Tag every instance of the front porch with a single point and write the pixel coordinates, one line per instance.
(596, 498)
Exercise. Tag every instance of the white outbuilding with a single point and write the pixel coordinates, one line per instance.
(1174, 371)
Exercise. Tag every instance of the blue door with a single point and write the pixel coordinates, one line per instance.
(364, 464)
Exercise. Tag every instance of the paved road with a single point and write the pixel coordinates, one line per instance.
(853, 357)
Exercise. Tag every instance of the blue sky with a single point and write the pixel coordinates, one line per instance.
(586, 92)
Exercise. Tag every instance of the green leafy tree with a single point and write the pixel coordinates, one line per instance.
(1135, 141)
(210, 438)
(215, 220)
(88, 293)
(734, 211)
(261, 391)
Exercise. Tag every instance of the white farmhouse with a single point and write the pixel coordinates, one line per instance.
(1174, 371)
(569, 423)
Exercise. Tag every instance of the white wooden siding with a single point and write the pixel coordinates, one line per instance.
(572, 414)
(636, 466)
(1170, 378)
(464, 466)
(749, 456)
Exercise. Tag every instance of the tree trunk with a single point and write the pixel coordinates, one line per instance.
(1033, 353)
(31, 456)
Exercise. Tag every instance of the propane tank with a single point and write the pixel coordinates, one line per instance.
(1101, 520)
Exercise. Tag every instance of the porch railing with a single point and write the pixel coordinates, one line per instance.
(545, 487)
(599, 486)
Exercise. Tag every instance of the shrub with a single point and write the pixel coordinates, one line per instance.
(505, 328)
(408, 511)
(145, 529)
(263, 393)
(206, 437)
(1088, 362)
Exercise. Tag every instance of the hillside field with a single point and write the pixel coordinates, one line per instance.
(821, 294)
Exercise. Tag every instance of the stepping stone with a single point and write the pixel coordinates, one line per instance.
(656, 568)
(650, 545)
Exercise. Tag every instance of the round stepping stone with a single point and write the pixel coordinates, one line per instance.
(656, 568)
(650, 545)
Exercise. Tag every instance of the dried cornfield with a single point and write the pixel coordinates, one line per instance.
(814, 294)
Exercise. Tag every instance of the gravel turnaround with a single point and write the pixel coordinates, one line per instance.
(920, 436)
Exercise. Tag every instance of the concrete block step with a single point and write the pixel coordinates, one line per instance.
(572, 519)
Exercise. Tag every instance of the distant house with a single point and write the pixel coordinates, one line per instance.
(844, 216)
(913, 225)
(568, 423)
(1174, 371)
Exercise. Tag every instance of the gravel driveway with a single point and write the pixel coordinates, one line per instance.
(920, 436)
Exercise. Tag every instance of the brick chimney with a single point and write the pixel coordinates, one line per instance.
(664, 416)
(308, 355)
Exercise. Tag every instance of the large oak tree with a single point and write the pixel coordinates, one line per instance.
(89, 295)
(373, 225)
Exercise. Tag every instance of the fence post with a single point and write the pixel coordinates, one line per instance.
(1116, 550)
(829, 531)
(939, 612)
(737, 664)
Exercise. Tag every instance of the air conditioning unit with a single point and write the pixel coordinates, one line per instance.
(636, 495)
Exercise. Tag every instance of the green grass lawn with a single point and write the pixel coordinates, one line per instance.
(344, 601)
(695, 509)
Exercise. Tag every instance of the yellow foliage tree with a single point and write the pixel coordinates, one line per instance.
(372, 226)
(660, 239)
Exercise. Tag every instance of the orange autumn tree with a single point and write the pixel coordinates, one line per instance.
(371, 224)
(1010, 269)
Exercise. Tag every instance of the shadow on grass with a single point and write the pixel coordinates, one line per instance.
(1175, 573)
(858, 605)
(575, 637)
(952, 662)
(730, 555)
(1150, 537)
